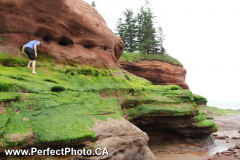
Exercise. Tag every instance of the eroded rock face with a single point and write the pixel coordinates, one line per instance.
(159, 73)
(72, 30)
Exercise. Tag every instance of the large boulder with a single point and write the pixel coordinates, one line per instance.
(72, 31)
(123, 140)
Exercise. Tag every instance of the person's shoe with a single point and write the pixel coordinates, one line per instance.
(34, 72)
(28, 67)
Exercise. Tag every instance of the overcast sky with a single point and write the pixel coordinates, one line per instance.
(204, 35)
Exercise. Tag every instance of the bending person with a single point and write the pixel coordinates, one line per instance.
(31, 49)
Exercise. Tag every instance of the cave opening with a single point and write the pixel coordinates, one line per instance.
(45, 34)
(157, 132)
(87, 46)
(88, 43)
(65, 41)
(46, 38)
(172, 130)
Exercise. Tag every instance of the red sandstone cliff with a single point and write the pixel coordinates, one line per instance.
(159, 73)
(72, 30)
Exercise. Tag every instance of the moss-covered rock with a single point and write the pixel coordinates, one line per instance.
(199, 100)
(138, 57)
(58, 105)
(202, 122)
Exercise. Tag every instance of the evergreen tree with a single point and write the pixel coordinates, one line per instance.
(120, 28)
(148, 43)
(139, 33)
(130, 31)
(160, 38)
(94, 4)
(139, 27)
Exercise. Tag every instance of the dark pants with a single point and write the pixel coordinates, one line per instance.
(30, 52)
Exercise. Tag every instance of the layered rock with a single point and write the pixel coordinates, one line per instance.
(72, 31)
(159, 73)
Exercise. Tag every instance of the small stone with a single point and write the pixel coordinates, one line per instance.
(236, 151)
(237, 146)
(237, 154)
(214, 134)
(221, 137)
(231, 149)
(227, 154)
(227, 142)
(235, 138)
(226, 136)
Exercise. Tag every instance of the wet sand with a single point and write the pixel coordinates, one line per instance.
(181, 150)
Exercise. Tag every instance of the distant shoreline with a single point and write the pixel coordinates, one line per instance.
(225, 105)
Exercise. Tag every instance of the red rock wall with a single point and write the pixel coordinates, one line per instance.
(159, 73)
(72, 30)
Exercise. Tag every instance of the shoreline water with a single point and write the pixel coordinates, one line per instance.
(224, 105)
(228, 126)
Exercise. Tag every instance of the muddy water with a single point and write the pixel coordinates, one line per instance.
(181, 150)
(176, 147)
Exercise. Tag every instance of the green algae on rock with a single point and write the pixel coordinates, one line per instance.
(35, 111)
(203, 122)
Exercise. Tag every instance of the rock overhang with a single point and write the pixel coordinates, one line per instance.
(71, 31)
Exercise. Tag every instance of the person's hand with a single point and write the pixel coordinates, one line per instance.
(35, 55)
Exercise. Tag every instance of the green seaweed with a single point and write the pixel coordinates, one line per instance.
(200, 117)
(208, 124)
(85, 94)
(202, 121)
(198, 98)
(160, 110)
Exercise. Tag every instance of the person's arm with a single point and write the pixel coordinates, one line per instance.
(35, 49)
(23, 48)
